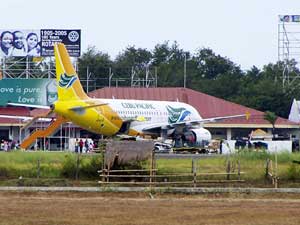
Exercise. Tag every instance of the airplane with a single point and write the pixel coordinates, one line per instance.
(109, 117)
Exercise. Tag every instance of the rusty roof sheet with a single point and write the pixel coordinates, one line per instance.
(13, 111)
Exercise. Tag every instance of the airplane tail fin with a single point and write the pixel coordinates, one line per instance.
(68, 83)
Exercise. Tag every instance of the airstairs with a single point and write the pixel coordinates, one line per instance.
(42, 133)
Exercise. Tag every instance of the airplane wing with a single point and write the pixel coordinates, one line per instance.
(79, 109)
(29, 105)
(216, 119)
(24, 118)
(191, 122)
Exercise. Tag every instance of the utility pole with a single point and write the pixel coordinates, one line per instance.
(110, 77)
(184, 71)
(88, 75)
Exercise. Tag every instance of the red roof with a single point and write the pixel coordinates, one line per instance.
(208, 106)
(13, 111)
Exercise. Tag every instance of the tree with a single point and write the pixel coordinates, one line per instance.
(169, 60)
(97, 64)
(132, 58)
(214, 74)
(271, 118)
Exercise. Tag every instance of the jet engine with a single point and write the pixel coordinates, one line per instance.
(197, 137)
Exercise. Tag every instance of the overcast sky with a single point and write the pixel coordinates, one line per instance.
(245, 31)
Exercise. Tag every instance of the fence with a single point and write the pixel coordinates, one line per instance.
(154, 177)
(271, 172)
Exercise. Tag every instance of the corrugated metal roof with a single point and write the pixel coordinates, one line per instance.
(13, 111)
(208, 106)
(16, 111)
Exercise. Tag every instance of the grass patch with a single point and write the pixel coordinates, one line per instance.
(60, 167)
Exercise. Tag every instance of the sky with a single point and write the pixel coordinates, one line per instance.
(245, 31)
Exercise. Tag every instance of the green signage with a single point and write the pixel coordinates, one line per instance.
(28, 91)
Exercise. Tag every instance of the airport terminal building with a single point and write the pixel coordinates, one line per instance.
(207, 106)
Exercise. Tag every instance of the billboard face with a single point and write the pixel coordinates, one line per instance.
(28, 91)
(20, 43)
(36, 43)
(71, 39)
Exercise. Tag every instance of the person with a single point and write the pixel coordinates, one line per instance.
(221, 146)
(19, 44)
(36, 146)
(6, 43)
(91, 147)
(33, 48)
(2, 144)
(47, 145)
(86, 145)
(80, 145)
(18, 144)
(5, 146)
(76, 145)
(13, 145)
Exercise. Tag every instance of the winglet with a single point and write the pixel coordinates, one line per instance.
(247, 114)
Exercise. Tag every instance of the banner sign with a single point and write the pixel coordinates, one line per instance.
(71, 39)
(289, 18)
(37, 43)
(28, 91)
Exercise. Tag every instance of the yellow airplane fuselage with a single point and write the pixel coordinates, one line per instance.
(93, 119)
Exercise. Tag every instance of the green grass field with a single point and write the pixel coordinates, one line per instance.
(62, 166)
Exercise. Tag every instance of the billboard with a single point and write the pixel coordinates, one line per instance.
(28, 91)
(289, 18)
(71, 39)
(36, 43)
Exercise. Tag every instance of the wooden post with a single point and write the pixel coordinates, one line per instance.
(239, 170)
(151, 169)
(107, 175)
(102, 150)
(154, 166)
(77, 167)
(271, 171)
(267, 168)
(228, 169)
(38, 168)
(194, 171)
(275, 175)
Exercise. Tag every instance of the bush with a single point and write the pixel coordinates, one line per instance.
(293, 172)
(69, 166)
(88, 166)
